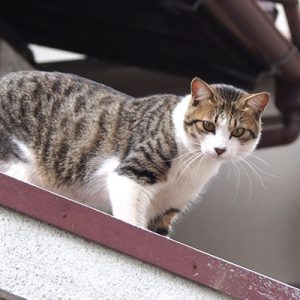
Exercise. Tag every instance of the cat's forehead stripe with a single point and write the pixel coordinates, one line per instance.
(228, 93)
(223, 117)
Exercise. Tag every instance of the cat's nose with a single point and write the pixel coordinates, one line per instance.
(220, 150)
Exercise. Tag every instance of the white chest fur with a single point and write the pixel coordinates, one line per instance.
(183, 186)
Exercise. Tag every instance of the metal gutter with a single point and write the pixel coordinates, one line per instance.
(282, 56)
(288, 102)
(292, 12)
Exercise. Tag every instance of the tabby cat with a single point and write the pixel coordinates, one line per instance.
(142, 159)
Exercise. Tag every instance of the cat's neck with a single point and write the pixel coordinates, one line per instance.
(178, 120)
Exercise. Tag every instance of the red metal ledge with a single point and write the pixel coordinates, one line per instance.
(141, 244)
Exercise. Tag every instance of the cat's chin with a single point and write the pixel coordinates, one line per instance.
(216, 158)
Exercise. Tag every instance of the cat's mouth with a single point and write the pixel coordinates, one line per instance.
(217, 157)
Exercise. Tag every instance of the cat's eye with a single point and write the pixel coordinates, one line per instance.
(209, 126)
(238, 132)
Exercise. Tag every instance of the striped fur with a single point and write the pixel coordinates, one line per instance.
(71, 135)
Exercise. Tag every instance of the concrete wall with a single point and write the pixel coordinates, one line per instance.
(41, 262)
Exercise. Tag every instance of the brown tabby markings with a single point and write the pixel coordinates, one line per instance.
(70, 132)
(215, 109)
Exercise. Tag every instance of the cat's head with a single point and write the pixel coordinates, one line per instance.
(224, 121)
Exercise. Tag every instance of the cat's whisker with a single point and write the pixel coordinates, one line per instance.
(196, 156)
(195, 143)
(182, 163)
(261, 170)
(186, 162)
(248, 177)
(199, 165)
(187, 166)
(255, 173)
(256, 166)
(189, 156)
(238, 180)
(183, 155)
(192, 155)
(256, 157)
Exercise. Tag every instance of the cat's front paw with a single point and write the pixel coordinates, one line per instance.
(162, 223)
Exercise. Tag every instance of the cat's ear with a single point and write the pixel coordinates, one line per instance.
(200, 90)
(258, 102)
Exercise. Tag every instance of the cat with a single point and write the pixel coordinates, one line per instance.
(144, 160)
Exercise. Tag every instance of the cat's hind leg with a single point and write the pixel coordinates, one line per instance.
(129, 199)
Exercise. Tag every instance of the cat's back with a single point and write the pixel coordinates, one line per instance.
(58, 85)
(55, 123)
(31, 99)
